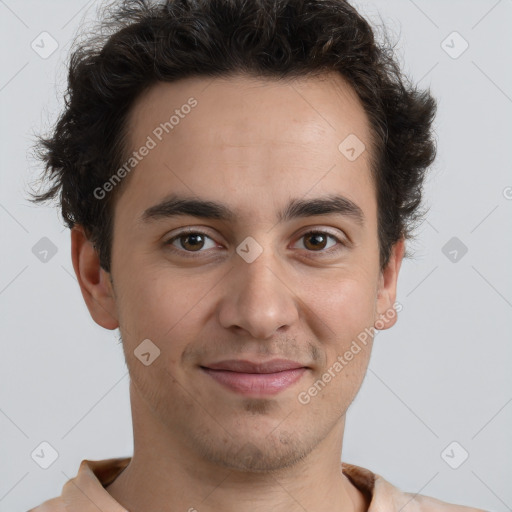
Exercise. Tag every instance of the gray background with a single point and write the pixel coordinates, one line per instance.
(442, 374)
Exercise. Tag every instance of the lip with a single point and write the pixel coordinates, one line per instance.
(256, 378)
(245, 366)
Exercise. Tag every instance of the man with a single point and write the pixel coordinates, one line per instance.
(240, 179)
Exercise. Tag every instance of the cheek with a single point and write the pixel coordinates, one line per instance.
(347, 309)
(345, 304)
(158, 304)
(154, 307)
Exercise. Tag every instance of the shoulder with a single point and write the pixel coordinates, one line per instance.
(53, 505)
(383, 496)
(87, 487)
(396, 499)
(428, 504)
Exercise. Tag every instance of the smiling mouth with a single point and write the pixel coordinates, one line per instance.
(256, 378)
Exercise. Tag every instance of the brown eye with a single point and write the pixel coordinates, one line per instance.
(315, 241)
(318, 242)
(190, 241)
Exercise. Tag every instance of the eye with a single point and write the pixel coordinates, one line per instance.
(190, 241)
(316, 241)
(193, 241)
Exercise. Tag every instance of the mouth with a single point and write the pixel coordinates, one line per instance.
(255, 378)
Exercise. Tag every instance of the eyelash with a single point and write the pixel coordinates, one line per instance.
(194, 254)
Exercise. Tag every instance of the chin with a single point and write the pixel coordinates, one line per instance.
(264, 455)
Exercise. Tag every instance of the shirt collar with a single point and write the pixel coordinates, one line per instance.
(86, 492)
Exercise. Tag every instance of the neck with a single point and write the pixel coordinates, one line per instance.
(166, 474)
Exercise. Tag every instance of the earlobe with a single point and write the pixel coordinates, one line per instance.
(94, 282)
(386, 293)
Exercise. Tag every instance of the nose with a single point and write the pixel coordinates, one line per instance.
(257, 298)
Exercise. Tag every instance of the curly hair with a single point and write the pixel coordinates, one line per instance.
(141, 42)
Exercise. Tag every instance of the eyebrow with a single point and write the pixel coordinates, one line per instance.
(174, 206)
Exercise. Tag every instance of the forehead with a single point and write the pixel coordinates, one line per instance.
(255, 108)
(247, 141)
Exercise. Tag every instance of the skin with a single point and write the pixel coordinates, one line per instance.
(253, 145)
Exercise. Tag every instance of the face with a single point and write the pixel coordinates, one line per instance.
(257, 274)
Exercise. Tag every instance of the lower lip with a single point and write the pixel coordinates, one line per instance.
(256, 383)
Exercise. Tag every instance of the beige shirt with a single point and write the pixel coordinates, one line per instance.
(86, 492)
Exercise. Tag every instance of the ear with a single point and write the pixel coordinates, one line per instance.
(94, 281)
(386, 291)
